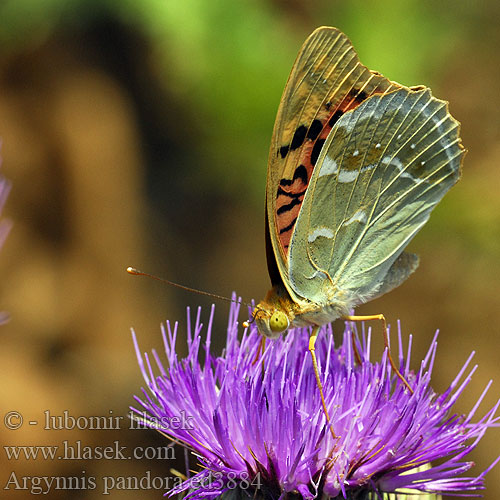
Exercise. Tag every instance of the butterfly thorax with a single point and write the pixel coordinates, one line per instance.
(278, 312)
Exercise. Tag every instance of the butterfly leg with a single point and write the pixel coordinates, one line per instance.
(381, 317)
(355, 348)
(260, 350)
(312, 342)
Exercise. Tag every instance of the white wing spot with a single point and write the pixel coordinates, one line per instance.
(358, 216)
(329, 167)
(447, 149)
(396, 162)
(317, 274)
(412, 146)
(325, 232)
(356, 153)
(377, 145)
(440, 125)
(422, 163)
(351, 175)
(399, 136)
(348, 124)
(348, 175)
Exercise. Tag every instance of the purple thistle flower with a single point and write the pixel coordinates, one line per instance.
(263, 432)
(5, 226)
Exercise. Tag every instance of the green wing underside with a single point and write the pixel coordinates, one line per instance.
(383, 168)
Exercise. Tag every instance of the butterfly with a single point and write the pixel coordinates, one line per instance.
(356, 165)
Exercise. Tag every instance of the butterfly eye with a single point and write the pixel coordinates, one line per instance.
(278, 322)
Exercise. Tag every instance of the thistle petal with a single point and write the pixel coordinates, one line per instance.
(268, 428)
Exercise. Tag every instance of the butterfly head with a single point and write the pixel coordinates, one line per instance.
(273, 315)
(271, 324)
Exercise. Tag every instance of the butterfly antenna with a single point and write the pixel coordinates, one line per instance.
(246, 324)
(137, 272)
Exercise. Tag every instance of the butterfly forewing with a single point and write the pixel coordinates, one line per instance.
(327, 81)
(383, 168)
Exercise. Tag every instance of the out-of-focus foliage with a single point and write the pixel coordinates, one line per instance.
(137, 133)
(215, 57)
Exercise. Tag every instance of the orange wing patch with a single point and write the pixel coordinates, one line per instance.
(326, 81)
(291, 192)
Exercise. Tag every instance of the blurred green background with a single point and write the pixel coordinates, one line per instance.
(137, 133)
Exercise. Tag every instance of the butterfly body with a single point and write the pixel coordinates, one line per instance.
(280, 309)
(357, 163)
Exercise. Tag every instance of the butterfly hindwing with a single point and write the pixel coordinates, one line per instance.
(403, 266)
(382, 169)
(327, 81)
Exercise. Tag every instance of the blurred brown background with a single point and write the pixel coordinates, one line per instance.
(137, 133)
